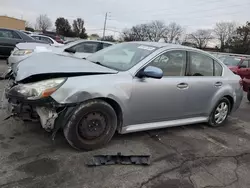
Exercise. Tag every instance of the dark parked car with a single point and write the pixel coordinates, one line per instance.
(9, 38)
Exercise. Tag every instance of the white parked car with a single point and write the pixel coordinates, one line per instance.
(47, 39)
(80, 49)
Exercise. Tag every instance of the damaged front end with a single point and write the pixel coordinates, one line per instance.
(33, 102)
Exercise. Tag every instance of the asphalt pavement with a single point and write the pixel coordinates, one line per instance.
(194, 156)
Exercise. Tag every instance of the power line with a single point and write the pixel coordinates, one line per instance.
(198, 11)
(206, 10)
(164, 9)
(199, 17)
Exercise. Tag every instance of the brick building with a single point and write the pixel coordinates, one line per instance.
(12, 23)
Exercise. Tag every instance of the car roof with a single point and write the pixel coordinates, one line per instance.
(84, 40)
(9, 29)
(164, 45)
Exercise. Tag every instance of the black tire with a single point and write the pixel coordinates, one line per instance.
(248, 96)
(212, 120)
(79, 128)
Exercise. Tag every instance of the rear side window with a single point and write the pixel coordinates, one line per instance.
(9, 34)
(200, 65)
(203, 65)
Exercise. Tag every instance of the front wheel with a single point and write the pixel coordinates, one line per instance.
(91, 126)
(220, 113)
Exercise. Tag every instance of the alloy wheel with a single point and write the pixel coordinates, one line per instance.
(221, 112)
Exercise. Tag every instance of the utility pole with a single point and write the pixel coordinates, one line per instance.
(105, 22)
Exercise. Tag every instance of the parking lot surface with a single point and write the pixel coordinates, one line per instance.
(194, 156)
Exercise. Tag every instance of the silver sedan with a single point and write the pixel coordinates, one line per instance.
(127, 87)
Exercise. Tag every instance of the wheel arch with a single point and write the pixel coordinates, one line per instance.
(118, 110)
(226, 92)
(231, 100)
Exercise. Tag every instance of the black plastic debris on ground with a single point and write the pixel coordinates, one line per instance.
(99, 160)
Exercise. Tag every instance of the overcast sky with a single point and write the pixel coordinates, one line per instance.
(191, 14)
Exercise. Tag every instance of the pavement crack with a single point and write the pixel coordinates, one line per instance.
(157, 139)
(161, 173)
(200, 158)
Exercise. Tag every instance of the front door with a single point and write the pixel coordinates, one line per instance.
(155, 100)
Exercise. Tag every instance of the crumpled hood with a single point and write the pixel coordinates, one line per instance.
(45, 63)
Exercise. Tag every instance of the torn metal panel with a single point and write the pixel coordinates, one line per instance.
(99, 160)
(47, 117)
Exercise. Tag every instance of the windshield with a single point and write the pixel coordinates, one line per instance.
(122, 56)
(231, 61)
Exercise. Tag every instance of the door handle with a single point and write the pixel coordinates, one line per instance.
(182, 85)
(218, 84)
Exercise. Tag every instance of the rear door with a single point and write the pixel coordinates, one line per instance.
(204, 80)
(8, 41)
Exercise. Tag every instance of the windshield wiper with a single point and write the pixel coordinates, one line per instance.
(98, 63)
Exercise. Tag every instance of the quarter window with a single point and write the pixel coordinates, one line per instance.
(217, 69)
(172, 63)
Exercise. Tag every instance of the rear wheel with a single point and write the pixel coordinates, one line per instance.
(220, 113)
(91, 126)
(248, 96)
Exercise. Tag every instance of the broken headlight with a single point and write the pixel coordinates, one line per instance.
(39, 89)
(22, 52)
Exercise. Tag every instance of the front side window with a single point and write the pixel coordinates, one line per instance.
(86, 47)
(9, 34)
(200, 65)
(172, 63)
(245, 63)
(123, 56)
(105, 45)
(45, 39)
(36, 37)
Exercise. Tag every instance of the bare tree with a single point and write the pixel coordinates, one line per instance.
(153, 31)
(174, 32)
(157, 30)
(43, 22)
(225, 31)
(78, 26)
(201, 37)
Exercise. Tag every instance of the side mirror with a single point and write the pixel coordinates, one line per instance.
(242, 66)
(70, 50)
(152, 72)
